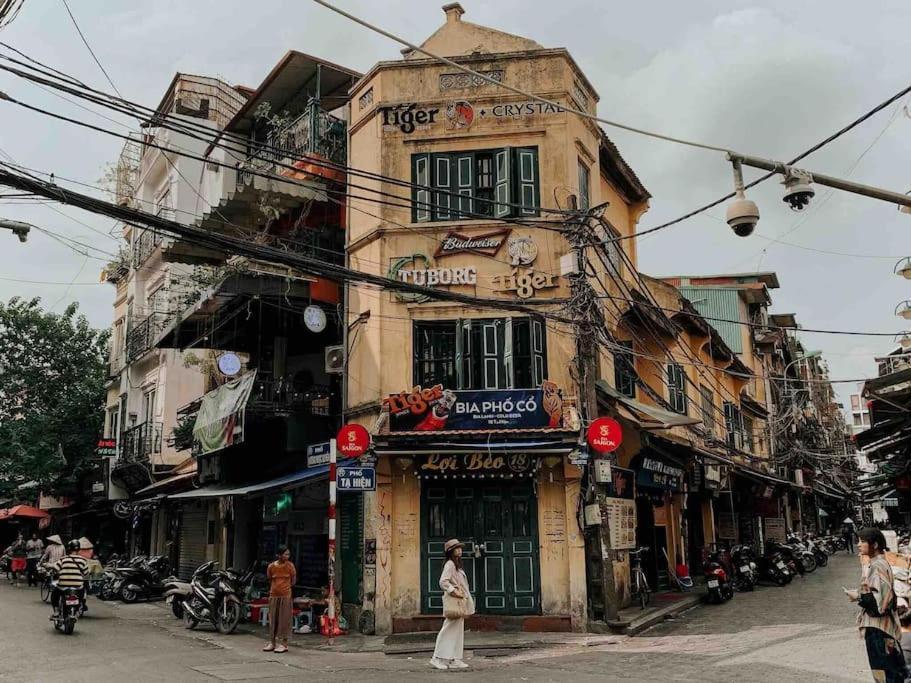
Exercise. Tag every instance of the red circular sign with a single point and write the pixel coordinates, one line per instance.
(605, 435)
(352, 441)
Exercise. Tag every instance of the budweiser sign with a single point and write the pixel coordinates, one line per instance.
(488, 244)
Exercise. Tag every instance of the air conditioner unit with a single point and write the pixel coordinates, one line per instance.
(335, 359)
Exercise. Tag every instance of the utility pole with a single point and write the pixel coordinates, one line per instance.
(588, 324)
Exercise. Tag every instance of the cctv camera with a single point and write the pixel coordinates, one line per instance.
(742, 216)
(797, 190)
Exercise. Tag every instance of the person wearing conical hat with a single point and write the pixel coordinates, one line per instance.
(54, 550)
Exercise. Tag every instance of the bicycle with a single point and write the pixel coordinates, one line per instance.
(639, 589)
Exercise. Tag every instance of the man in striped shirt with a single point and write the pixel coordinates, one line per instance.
(71, 571)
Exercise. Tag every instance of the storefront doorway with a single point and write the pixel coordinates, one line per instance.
(498, 523)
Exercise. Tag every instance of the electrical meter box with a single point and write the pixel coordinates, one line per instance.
(602, 471)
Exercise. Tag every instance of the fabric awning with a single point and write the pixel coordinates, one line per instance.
(220, 421)
(879, 431)
(23, 511)
(184, 479)
(644, 416)
(286, 481)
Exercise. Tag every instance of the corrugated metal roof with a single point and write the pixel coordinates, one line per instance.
(718, 303)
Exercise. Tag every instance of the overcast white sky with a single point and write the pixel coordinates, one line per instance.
(768, 78)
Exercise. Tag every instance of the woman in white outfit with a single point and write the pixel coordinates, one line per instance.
(457, 604)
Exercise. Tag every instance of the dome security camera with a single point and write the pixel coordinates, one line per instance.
(742, 216)
(798, 190)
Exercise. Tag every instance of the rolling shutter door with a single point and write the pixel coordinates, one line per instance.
(192, 541)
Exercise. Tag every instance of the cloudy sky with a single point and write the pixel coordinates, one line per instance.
(766, 78)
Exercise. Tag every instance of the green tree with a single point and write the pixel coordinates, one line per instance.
(52, 377)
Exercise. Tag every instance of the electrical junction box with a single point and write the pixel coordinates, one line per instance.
(602, 471)
(593, 515)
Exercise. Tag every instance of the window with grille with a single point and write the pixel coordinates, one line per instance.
(584, 187)
(625, 369)
(747, 426)
(733, 425)
(500, 183)
(676, 388)
(485, 353)
(707, 406)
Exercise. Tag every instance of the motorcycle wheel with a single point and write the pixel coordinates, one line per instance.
(45, 592)
(189, 621)
(227, 624)
(809, 564)
(781, 580)
(177, 609)
(822, 560)
(129, 595)
(69, 625)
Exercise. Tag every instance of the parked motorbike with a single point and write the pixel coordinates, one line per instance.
(217, 597)
(795, 564)
(116, 574)
(717, 580)
(177, 592)
(815, 547)
(69, 609)
(744, 568)
(146, 581)
(773, 567)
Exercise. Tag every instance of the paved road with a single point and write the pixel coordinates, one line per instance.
(800, 633)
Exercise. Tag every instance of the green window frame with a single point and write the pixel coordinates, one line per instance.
(676, 388)
(483, 353)
(489, 183)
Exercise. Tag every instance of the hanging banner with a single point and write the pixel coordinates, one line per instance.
(436, 409)
(220, 421)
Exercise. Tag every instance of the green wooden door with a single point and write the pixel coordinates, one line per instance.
(497, 521)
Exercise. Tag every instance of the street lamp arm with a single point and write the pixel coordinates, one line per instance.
(19, 228)
(827, 180)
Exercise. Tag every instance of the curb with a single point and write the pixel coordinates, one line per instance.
(648, 620)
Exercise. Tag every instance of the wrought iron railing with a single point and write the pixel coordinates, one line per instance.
(144, 245)
(281, 395)
(891, 364)
(139, 443)
(143, 334)
(316, 131)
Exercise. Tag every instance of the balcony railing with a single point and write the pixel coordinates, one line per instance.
(891, 364)
(139, 443)
(143, 335)
(144, 245)
(280, 395)
(315, 132)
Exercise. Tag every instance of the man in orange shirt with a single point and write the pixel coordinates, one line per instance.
(282, 576)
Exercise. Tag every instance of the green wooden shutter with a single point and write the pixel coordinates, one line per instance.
(538, 351)
(463, 173)
(503, 189)
(490, 352)
(528, 194)
(420, 191)
(463, 354)
(508, 357)
(442, 185)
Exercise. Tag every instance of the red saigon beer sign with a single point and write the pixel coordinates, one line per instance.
(352, 441)
(605, 435)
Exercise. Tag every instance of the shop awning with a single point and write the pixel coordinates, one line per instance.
(644, 416)
(220, 421)
(287, 481)
(23, 512)
(178, 479)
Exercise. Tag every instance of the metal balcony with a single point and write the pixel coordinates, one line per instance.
(314, 133)
(140, 443)
(144, 246)
(143, 334)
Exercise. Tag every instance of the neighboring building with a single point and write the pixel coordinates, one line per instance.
(859, 411)
(147, 384)
(260, 334)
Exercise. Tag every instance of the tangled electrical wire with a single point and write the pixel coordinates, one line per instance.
(9, 9)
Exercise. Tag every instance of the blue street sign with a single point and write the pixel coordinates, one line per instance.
(356, 479)
(318, 454)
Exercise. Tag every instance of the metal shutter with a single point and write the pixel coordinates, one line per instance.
(192, 541)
